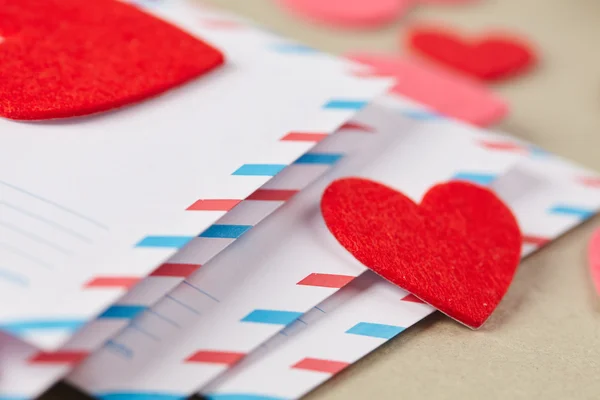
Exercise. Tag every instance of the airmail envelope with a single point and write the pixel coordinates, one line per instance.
(288, 271)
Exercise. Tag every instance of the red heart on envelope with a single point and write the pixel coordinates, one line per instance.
(65, 58)
(458, 250)
(489, 58)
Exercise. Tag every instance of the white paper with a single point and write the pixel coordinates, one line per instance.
(107, 195)
(259, 273)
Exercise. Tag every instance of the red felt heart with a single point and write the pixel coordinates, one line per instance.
(489, 58)
(65, 58)
(458, 250)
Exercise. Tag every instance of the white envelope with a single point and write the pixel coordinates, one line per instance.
(70, 247)
(287, 273)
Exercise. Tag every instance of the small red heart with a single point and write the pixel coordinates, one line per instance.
(65, 58)
(490, 58)
(458, 250)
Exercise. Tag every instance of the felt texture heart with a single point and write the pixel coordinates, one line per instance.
(458, 250)
(349, 13)
(446, 92)
(66, 58)
(489, 58)
(594, 260)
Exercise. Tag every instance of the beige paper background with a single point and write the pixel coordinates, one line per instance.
(544, 340)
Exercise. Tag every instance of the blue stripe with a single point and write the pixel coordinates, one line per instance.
(375, 330)
(420, 115)
(563, 209)
(239, 396)
(259, 169)
(176, 242)
(275, 317)
(473, 177)
(225, 231)
(121, 311)
(290, 48)
(140, 396)
(23, 327)
(341, 104)
(14, 398)
(319, 158)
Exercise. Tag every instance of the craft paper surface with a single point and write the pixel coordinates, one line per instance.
(91, 200)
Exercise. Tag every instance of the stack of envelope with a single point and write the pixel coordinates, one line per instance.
(176, 247)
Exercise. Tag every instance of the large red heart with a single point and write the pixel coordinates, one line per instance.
(65, 58)
(458, 250)
(490, 58)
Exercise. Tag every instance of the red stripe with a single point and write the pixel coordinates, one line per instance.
(304, 137)
(215, 357)
(326, 280)
(503, 146)
(178, 270)
(214, 205)
(272, 195)
(319, 365)
(124, 282)
(412, 298)
(535, 240)
(356, 126)
(60, 357)
(591, 181)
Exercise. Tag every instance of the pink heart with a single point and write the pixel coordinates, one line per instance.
(444, 91)
(350, 13)
(594, 259)
(446, 2)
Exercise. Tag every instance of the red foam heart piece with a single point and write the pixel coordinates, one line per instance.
(458, 250)
(66, 58)
(489, 58)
